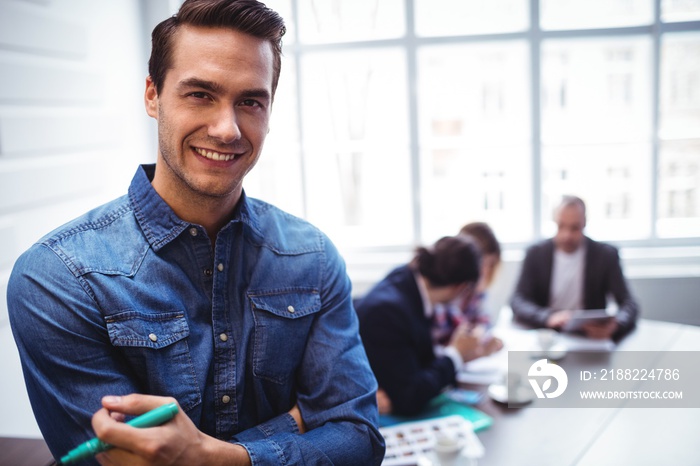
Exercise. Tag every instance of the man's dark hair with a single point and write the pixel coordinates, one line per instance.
(247, 16)
(450, 261)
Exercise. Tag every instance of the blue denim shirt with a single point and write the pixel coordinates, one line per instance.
(130, 298)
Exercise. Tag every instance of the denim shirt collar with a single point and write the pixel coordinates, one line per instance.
(158, 221)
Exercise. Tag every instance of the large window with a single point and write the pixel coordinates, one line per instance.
(596, 130)
(397, 121)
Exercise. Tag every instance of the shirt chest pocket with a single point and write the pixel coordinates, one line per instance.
(282, 325)
(156, 347)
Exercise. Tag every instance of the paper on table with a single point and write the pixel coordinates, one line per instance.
(486, 370)
(515, 339)
(490, 369)
(580, 343)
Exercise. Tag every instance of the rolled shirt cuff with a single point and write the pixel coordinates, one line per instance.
(452, 353)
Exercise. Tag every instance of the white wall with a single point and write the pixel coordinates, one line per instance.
(72, 131)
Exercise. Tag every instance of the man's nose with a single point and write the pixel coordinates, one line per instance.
(224, 126)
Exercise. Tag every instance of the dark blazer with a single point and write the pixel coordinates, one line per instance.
(603, 276)
(397, 337)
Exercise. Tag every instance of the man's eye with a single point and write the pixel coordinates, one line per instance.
(250, 103)
(199, 95)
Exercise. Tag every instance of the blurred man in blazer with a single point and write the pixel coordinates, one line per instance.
(571, 272)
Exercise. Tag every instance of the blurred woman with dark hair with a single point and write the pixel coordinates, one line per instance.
(414, 347)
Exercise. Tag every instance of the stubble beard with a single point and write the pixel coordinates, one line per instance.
(186, 186)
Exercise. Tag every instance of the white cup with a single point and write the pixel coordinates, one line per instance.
(546, 337)
(513, 380)
(447, 449)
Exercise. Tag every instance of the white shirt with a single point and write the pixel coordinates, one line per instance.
(566, 289)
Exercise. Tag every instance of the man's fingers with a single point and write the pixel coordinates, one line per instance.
(135, 404)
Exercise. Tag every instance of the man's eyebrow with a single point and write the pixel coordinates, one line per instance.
(199, 84)
(256, 94)
(216, 88)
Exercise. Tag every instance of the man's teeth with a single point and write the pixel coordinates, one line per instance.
(215, 155)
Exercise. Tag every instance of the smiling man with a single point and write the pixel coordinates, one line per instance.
(187, 290)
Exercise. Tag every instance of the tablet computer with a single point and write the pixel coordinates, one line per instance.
(580, 317)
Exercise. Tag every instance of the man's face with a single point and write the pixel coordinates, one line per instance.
(570, 224)
(213, 113)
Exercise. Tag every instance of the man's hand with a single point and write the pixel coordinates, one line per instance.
(558, 319)
(296, 414)
(177, 442)
(600, 330)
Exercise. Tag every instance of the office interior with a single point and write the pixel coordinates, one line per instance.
(395, 123)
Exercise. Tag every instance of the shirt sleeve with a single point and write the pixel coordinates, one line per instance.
(628, 309)
(523, 302)
(454, 355)
(61, 338)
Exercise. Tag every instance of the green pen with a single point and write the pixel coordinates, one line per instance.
(155, 417)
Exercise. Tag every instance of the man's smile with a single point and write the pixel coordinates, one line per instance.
(213, 155)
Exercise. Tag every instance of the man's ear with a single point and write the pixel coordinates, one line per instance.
(151, 98)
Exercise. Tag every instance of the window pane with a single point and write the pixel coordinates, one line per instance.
(469, 97)
(596, 90)
(680, 86)
(277, 176)
(679, 151)
(461, 17)
(590, 14)
(323, 21)
(613, 180)
(680, 10)
(356, 146)
(596, 124)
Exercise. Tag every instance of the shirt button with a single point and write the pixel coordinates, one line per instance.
(223, 337)
(208, 272)
(220, 267)
(193, 231)
(225, 399)
(153, 337)
(291, 309)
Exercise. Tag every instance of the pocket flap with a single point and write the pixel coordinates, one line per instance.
(288, 304)
(139, 329)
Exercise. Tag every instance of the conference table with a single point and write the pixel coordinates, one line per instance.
(24, 452)
(620, 435)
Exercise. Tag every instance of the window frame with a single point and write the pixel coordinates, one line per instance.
(534, 36)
